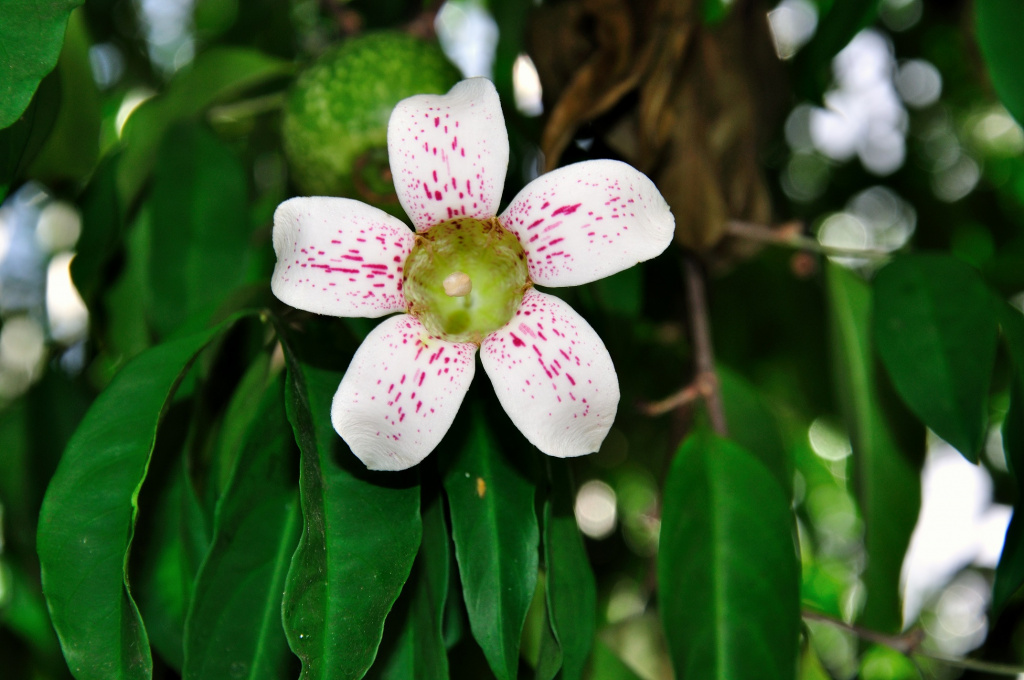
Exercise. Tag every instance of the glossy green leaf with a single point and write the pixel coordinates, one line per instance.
(200, 230)
(216, 75)
(241, 411)
(753, 426)
(23, 611)
(22, 141)
(419, 652)
(31, 35)
(607, 666)
(549, 653)
(127, 299)
(1010, 570)
(888, 448)
(935, 330)
(73, 146)
(1012, 322)
(361, 531)
(161, 574)
(494, 527)
(101, 230)
(233, 628)
(571, 588)
(728, 574)
(997, 23)
(89, 512)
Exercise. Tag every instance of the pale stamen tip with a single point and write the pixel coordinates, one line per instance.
(457, 284)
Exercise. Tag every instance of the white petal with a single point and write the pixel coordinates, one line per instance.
(400, 394)
(449, 153)
(587, 221)
(340, 257)
(553, 376)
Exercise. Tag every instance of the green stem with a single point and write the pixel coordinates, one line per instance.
(247, 108)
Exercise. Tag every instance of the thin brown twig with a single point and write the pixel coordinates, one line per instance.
(790, 234)
(700, 388)
(703, 350)
(906, 643)
(909, 643)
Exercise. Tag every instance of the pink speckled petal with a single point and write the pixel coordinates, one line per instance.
(553, 376)
(587, 221)
(339, 257)
(400, 394)
(449, 153)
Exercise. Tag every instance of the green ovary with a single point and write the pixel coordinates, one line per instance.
(495, 264)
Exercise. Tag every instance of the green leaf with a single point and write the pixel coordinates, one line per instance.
(31, 35)
(22, 141)
(1012, 322)
(101, 230)
(888, 448)
(494, 527)
(23, 611)
(935, 331)
(571, 587)
(419, 652)
(728, 574)
(753, 426)
(1010, 570)
(361, 531)
(200, 233)
(89, 512)
(217, 75)
(73, 146)
(608, 666)
(233, 628)
(161, 573)
(549, 653)
(997, 23)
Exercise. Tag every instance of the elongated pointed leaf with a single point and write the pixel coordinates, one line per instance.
(216, 75)
(888, 449)
(200, 230)
(608, 666)
(162, 574)
(31, 34)
(998, 28)
(728, 575)
(234, 627)
(101, 230)
(1010, 571)
(89, 512)
(419, 651)
(571, 587)
(360, 535)
(935, 329)
(496, 538)
(752, 425)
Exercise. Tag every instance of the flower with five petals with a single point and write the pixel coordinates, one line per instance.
(464, 281)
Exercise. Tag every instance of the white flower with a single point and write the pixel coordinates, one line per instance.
(550, 370)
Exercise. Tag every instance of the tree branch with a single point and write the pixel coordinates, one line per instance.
(791, 235)
(705, 379)
(909, 643)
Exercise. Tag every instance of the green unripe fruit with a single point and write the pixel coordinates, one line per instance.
(465, 278)
(336, 117)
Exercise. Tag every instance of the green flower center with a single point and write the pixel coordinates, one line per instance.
(465, 278)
